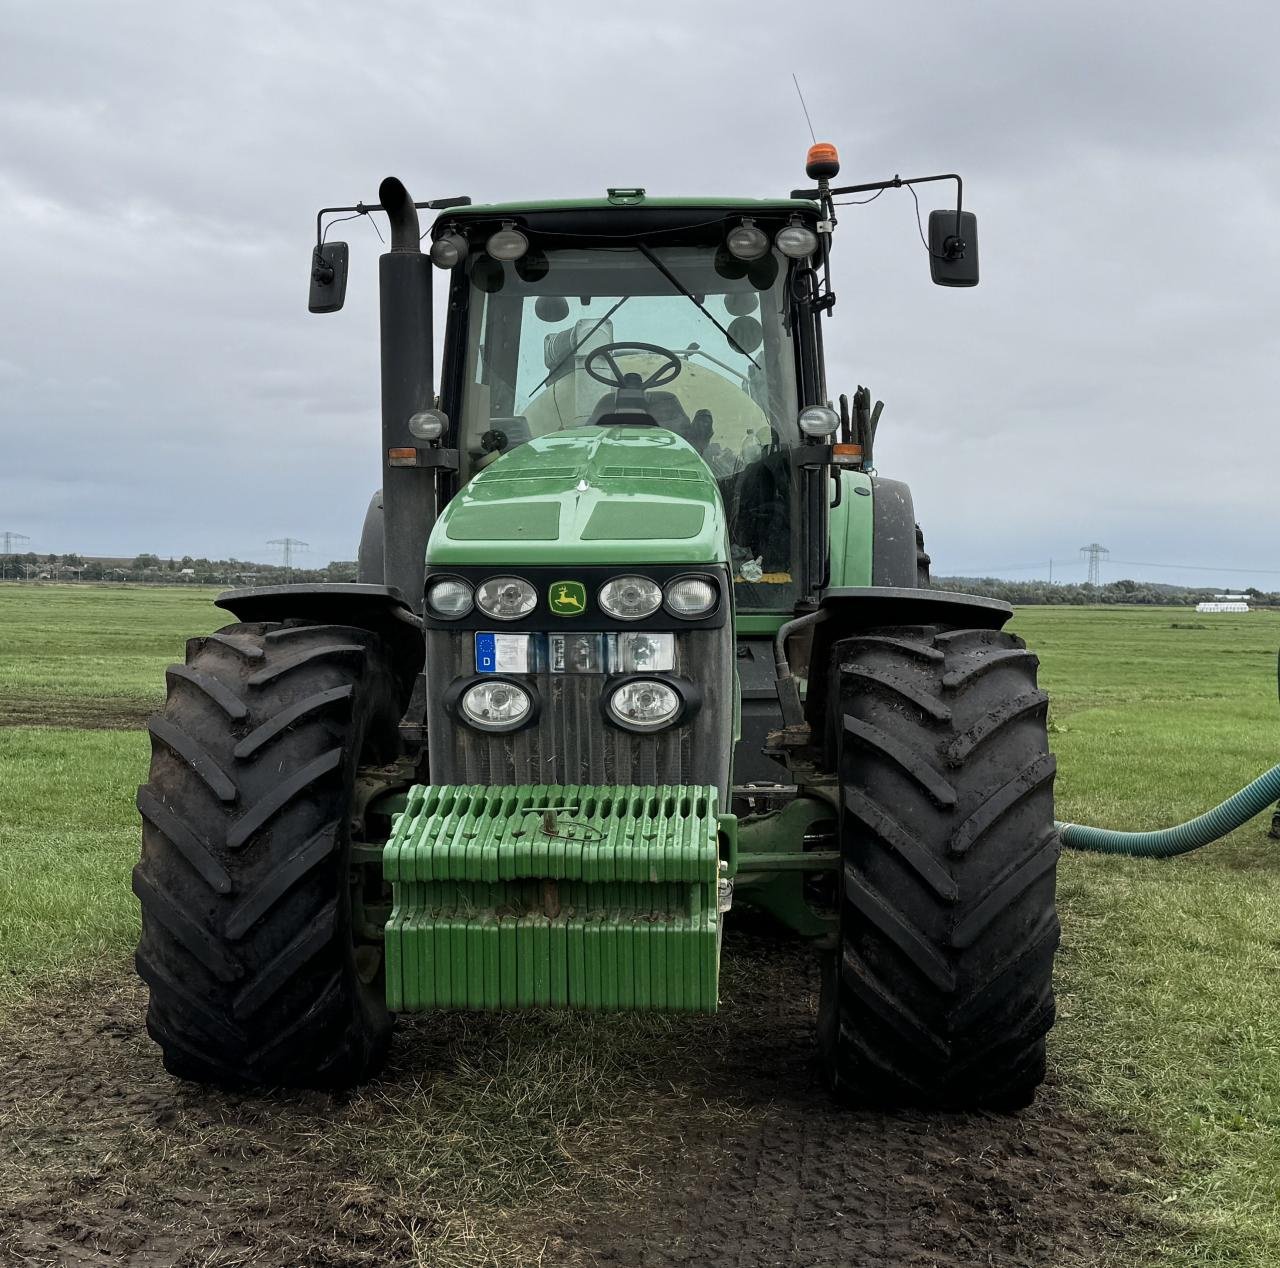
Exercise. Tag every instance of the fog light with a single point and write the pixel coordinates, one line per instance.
(796, 241)
(506, 598)
(450, 598)
(690, 596)
(819, 422)
(746, 242)
(508, 243)
(644, 704)
(630, 598)
(448, 250)
(496, 706)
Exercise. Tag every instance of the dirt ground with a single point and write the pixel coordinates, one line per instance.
(80, 713)
(745, 1162)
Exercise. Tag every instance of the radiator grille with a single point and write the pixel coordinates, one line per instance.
(570, 744)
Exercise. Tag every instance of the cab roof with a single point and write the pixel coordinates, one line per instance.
(621, 214)
(630, 199)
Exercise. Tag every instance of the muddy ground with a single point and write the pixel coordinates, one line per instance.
(110, 713)
(704, 1143)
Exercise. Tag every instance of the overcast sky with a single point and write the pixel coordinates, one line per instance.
(1115, 377)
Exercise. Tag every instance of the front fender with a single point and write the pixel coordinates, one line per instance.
(381, 609)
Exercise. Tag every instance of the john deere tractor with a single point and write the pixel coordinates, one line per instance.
(639, 636)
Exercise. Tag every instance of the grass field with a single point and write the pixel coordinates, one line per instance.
(1169, 1023)
(80, 655)
(1169, 976)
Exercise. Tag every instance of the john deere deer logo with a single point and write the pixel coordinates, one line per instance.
(568, 598)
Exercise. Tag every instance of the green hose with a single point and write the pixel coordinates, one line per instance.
(1165, 843)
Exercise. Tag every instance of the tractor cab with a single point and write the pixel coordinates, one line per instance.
(635, 313)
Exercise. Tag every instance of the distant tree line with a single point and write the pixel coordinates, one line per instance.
(152, 570)
(1126, 591)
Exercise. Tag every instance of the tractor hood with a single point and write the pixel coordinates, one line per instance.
(589, 495)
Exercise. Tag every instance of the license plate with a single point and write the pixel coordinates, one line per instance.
(502, 653)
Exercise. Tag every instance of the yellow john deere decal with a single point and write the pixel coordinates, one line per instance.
(568, 598)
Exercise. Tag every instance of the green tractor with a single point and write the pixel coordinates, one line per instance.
(638, 636)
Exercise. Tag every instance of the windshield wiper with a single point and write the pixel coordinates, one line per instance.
(688, 294)
(573, 350)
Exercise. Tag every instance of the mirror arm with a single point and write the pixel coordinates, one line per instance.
(363, 209)
(955, 246)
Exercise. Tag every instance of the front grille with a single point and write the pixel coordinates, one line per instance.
(571, 743)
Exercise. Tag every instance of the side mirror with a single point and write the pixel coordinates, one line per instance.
(953, 257)
(328, 277)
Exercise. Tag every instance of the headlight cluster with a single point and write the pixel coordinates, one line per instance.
(632, 598)
(626, 598)
(747, 241)
(637, 703)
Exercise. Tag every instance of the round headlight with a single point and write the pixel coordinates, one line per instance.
(496, 706)
(644, 704)
(506, 598)
(508, 243)
(819, 422)
(796, 241)
(429, 424)
(448, 250)
(746, 242)
(690, 596)
(630, 598)
(450, 597)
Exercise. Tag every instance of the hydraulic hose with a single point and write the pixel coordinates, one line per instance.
(1165, 843)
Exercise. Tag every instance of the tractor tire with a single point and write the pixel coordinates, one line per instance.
(257, 975)
(941, 991)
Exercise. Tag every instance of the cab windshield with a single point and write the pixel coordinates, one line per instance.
(552, 344)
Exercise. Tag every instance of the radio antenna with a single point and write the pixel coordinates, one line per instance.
(805, 108)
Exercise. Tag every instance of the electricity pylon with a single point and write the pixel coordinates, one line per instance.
(1094, 553)
(287, 546)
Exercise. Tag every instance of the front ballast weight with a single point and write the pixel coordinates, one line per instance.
(599, 898)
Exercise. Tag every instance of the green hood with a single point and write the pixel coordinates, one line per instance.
(589, 495)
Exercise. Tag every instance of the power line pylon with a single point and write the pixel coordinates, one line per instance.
(1095, 554)
(288, 546)
(8, 542)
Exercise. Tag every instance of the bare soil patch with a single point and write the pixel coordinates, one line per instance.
(799, 1181)
(535, 1140)
(88, 713)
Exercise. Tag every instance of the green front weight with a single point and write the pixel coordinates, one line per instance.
(550, 896)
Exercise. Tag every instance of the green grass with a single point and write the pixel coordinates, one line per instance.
(94, 655)
(1168, 973)
(68, 838)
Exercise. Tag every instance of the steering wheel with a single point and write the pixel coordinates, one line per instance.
(670, 369)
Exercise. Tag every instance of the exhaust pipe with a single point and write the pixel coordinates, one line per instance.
(408, 493)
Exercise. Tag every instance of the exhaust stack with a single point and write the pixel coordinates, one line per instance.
(408, 492)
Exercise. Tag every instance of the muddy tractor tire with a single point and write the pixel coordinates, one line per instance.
(941, 993)
(258, 974)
